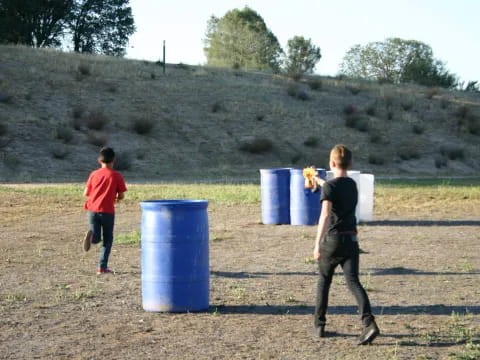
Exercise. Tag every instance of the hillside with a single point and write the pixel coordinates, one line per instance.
(56, 109)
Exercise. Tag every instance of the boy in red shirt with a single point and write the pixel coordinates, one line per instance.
(104, 187)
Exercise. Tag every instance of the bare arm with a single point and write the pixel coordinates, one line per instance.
(322, 227)
(319, 181)
(85, 192)
(120, 196)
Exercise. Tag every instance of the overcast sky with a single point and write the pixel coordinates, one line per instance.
(450, 27)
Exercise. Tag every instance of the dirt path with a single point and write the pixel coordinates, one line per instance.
(53, 306)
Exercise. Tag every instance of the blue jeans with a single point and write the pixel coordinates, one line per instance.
(102, 224)
(340, 250)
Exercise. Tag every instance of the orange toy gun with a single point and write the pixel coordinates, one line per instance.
(312, 181)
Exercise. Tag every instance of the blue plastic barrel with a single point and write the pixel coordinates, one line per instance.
(175, 260)
(275, 191)
(304, 204)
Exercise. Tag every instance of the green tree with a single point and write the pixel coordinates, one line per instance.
(302, 56)
(38, 23)
(396, 60)
(241, 39)
(101, 26)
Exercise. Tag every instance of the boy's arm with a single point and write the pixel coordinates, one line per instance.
(322, 226)
(120, 196)
(85, 192)
(319, 180)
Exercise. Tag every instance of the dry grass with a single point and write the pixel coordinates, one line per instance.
(202, 114)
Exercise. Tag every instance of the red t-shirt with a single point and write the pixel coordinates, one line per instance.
(103, 185)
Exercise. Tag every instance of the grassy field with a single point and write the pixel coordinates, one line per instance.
(420, 268)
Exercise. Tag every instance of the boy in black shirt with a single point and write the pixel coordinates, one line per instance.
(336, 244)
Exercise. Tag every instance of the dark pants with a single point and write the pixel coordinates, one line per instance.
(102, 224)
(340, 250)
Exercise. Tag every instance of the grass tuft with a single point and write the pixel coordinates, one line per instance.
(133, 237)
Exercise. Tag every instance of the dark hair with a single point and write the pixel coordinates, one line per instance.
(107, 155)
(342, 156)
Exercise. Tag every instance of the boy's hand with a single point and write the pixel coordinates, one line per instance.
(316, 252)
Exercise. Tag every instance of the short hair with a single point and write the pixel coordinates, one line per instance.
(107, 155)
(342, 156)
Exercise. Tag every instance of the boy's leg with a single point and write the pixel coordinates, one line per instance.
(350, 270)
(107, 221)
(95, 225)
(326, 270)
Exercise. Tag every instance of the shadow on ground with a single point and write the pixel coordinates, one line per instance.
(267, 309)
(422, 223)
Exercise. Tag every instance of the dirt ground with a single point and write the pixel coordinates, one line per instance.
(417, 271)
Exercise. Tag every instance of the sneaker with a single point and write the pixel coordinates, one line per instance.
(368, 334)
(317, 331)
(87, 241)
(105, 271)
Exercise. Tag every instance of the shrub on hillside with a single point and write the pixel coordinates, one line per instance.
(256, 145)
(59, 152)
(302, 94)
(260, 117)
(408, 153)
(349, 109)
(64, 134)
(376, 138)
(311, 141)
(143, 126)
(453, 152)
(352, 120)
(406, 104)
(371, 109)
(463, 112)
(292, 90)
(354, 90)
(123, 161)
(294, 75)
(6, 98)
(363, 125)
(468, 121)
(376, 159)
(295, 91)
(216, 107)
(315, 84)
(418, 129)
(84, 69)
(96, 120)
(3, 129)
(440, 161)
(389, 100)
(431, 92)
(97, 139)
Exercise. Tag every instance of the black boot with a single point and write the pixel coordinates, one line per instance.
(369, 333)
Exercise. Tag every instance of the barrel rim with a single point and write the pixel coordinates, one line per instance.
(174, 202)
(274, 170)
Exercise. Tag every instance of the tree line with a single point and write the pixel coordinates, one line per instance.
(241, 39)
(87, 26)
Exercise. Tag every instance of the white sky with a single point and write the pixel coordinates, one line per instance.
(450, 27)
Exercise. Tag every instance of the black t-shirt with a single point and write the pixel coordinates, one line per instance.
(343, 194)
